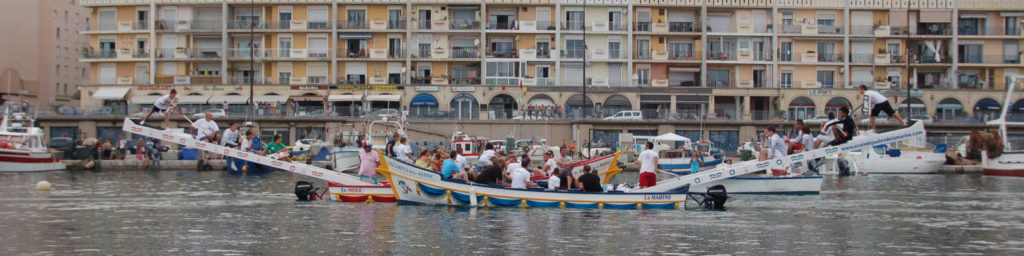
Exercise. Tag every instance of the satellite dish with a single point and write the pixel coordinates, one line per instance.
(476, 42)
(403, 70)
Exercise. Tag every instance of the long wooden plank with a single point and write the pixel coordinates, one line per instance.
(187, 140)
(860, 142)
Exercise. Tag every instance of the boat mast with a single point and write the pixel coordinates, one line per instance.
(1012, 81)
(252, 57)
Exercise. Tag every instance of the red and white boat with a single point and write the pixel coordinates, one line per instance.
(22, 148)
(1010, 162)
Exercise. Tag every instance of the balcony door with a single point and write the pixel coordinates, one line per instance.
(285, 46)
(424, 19)
(285, 18)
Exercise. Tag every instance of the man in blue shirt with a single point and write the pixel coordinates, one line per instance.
(696, 162)
(450, 170)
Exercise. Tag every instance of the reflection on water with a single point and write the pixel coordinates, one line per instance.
(145, 213)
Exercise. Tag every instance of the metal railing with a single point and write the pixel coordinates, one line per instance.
(829, 30)
(929, 59)
(501, 81)
(508, 53)
(835, 57)
(423, 25)
(396, 53)
(100, 54)
(494, 25)
(465, 80)
(354, 54)
(933, 29)
(862, 58)
(642, 26)
(684, 27)
(721, 55)
(573, 25)
(573, 53)
(204, 24)
(318, 25)
(791, 29)
(862, 29)
(990, 59)
(683, 55)
(465, 53)
(247, 24)
(247, 80)
(990, 31)
(142, 25)
(352, 24)
(397, 24)
(545, 25)
(619, 27)
(465, 24)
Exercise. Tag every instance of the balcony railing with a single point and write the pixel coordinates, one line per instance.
(990, 31)
(258, 53)
(899, 31)
(205, 24)
(352, 24)
(139, 54)
(835, 57)
(510, 53)
(465, 24)
(683, 55)
(862, 29)
(792, 29)
(722, 55)
(862, 58)
(642, 26)
(928, 59)
(573, 25)
(423, 25)
(933, 29)
(100, 54)
(545, 25)
(464, 80)
(318, 25)
(247, 80)
(829, 30)
(419, 80)
(990, 59)
(247, 24)
(617, 27)
(501, 81)
(396, 53)
(573, 54)
(683, 27)
(397, 24)
(544, 54)
(142, 25)
(721, 83)
(354, 54)
(494, 25)
(464, 53)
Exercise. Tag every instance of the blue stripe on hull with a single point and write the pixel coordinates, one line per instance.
(543, 204)
(581, 205)
(505, 202)
(658, 206)
(407, 202)
(620, 206)
(431, 191)
(797, 193)
(464, 199)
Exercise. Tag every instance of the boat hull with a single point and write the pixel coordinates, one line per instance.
(371, 193)
(1007, 164)
(909, 162)
(414, 185)
(765, 185)
(22, 161)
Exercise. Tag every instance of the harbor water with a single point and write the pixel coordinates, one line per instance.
(188, 212)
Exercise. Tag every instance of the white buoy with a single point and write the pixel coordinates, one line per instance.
(43, 186)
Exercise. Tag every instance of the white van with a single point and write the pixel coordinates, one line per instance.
(626, 115)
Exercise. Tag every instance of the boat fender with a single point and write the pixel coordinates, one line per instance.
(472, 197)
(43, 185)
(89, 165)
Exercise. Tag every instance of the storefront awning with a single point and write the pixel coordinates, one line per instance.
(307, 98)
(423, 100)
(384, 98)
(111, 93)
(230, 99)
(345, 97)
(270, 98)
(949, 106)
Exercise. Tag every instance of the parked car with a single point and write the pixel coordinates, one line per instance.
(216, 112)
(626, 115)
(817, 119)
(384, 113)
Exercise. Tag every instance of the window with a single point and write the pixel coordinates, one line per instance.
(787, 79)
(574, 20)
(825, 78)
(356, 19)
(56, 71)
(501, 69)
(574, 48)
(58, 33)
(827, 52)
(718, 77)
(58, 51)
(65, 17)
(643, 76)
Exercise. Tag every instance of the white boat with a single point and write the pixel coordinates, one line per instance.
(22, 148)
(470, 150)
(345, 158)
(1009, 162)
(765, 184)
(678, 160)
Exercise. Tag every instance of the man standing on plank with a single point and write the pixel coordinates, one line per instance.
(162, 105)
(879, 104)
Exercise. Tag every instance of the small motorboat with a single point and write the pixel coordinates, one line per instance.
(21, 146)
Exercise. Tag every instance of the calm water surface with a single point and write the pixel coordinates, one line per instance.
(185, 212)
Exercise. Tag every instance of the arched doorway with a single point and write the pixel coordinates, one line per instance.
(423, 105)
(540, 106)
(1016, 113)
(987, 109)
(835, 104)
(949, 109)
(917, 107)
(309, 104)
(576, 104)
(502, 106)
(464, 106)
(614, 104)
(346, 104)
(801, 108)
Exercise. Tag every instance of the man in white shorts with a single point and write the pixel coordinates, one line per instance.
(879, 104)
(162, 105)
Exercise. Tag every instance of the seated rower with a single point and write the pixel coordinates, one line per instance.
(277, 146)
(549, 165)
(451, 170)
(554, 182)
(492, 173)
(519, 177)
(589, 181)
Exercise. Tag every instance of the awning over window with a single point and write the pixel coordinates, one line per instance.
(949, 106)
(384, 98)
(307, 98)
(345, 97)
(671, 69)
(988, 104)
(270, 98)
(230, 99)
(111, 93)
(692, 99)
(354, 35)
(936, 16)
(898, 18)
(423, 99)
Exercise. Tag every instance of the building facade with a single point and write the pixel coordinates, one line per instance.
(489, 59)
(40, 58)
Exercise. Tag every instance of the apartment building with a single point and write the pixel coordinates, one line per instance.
(726, 59)
(40, 54)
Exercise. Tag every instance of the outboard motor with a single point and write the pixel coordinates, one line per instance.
(715, 198)
(305, 191)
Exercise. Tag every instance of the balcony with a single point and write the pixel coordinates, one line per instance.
(100, 54)
(642, 26)
(617, 27)
(423, 25)
(465, 80)
(990, 59)
(397, 24)
(863, 30)
(829, 30)
(792, 29)
(248, 80)
(354, 54)
(721, 83)
(538, 81)
(465, 25)
(504, 54)
(494, 25)
(834, 57)
(352, 81)
(572, 54)
(465, 53)
(419, 80)
(862, 58)
(247, 24)
(205, 24)
(246, 53)
(933, 29)
(989, 31)
(396, 53)
(929, 59)
(683, 55)
(722, 55)
(683, 27)
(545, 25)
(501, 81)
(192, 79)
(142, 25)
(573, 25)
(352, 24)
